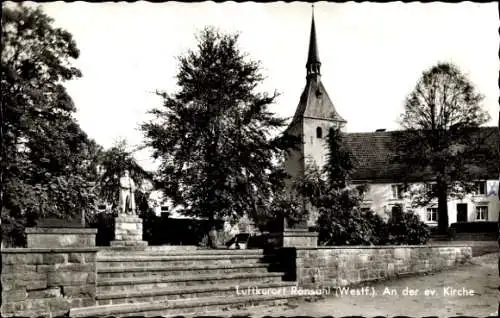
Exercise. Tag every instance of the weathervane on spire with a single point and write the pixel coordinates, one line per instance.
(313, 64)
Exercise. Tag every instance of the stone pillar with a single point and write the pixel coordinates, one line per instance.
(298, 235)
(299, 238)
(128, 231)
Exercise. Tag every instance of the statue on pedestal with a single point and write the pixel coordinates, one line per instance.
(127, 197)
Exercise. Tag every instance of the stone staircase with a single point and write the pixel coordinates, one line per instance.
(195, 282)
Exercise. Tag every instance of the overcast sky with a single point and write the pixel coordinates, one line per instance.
(372, 54)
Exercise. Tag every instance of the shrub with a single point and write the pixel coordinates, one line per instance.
(13, 232)
(105, 225)
(341, 222)
(406, 228)
(353, 227)
(270, 219)
(150, 226)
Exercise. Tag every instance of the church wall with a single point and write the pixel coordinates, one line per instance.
(316, 148)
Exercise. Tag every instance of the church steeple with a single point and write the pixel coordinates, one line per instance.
(313, 64)
(313, 118)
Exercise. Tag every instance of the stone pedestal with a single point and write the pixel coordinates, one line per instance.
(299, 238)
(46, 237)
(297, 235)
(293, 238)
(128, 231)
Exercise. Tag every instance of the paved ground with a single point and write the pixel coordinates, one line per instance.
(481, 276)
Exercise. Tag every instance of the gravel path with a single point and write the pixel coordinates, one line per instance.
(470, 290)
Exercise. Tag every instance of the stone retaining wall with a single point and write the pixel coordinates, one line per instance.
(341, 266)
(40, 237)
(475, 236)
(47, 282)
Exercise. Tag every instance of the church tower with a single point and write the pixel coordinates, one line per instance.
(314, 116)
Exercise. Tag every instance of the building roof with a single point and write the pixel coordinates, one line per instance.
(375, 153)
(314, 101)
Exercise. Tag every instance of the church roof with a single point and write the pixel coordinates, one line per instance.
(313, 55)
(314, 101)
(375, 153)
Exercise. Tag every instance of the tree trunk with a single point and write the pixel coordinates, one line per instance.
(442, 209)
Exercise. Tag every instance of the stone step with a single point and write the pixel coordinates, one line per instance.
(162, 294)
(145, 283)
(198, 306)
(105, 272)
(174, 251)
(138, 260)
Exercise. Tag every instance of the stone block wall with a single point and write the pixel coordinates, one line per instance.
(47, 282)
(40, 237)
(476, 237)
(342, 266)
(299, 238)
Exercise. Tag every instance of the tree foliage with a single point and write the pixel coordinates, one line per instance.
(340, 161)
(213, 135)
(442, 141)
(47, 160)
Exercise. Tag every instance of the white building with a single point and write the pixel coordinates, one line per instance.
(316, 114)
(376, 168)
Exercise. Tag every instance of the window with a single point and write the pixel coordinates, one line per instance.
(397, 191)
(432, 214)
(319, 132)
(481, 188)
(482, 213)
(431, 188)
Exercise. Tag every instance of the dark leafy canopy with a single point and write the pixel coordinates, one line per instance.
(442, 116)
(340, 161)
(47, 160)
(213, 135)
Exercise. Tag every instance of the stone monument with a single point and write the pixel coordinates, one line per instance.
(128, 226)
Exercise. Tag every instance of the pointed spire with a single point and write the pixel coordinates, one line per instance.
(313, 63)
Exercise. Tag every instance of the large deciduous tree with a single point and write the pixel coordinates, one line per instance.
(47, 160)
(443, 142)
(213, 135)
